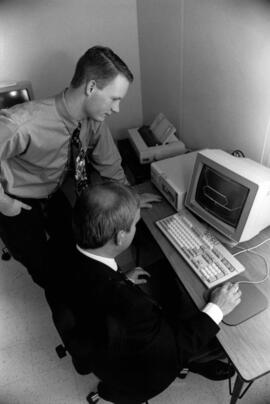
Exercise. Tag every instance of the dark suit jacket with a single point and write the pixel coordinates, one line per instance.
(136, 348)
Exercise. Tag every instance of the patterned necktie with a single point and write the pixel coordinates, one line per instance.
(78, 161)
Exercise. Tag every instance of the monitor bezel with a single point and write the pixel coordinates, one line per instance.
(233, 233)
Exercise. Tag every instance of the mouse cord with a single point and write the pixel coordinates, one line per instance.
(259, 255)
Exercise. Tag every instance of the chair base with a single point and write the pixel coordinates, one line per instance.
(61, 351)
(5, 254)
(183, 373)
(92, 398)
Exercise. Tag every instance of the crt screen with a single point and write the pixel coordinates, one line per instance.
(13, 97)
(221, 196)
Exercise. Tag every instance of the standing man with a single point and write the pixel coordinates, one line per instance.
(43, 142)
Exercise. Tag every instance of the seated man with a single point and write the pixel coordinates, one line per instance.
(139, 350)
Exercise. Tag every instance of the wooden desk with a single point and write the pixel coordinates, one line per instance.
(247, 344)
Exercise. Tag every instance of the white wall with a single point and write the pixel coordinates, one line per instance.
(226, 92)
(205, 64)
(41, 40)
(210, 61)
(159, 28)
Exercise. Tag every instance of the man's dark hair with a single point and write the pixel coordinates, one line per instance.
(101, 64)
(101, 211)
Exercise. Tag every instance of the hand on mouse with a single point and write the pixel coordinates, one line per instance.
(138, 275)
(226, 297)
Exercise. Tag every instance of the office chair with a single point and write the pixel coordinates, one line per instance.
(82, 353)
(5, 254)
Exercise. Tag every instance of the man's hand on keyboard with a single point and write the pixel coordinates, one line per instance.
(147, 199)
(226, 297)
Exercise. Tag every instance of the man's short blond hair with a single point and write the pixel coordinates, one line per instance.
(103, 210)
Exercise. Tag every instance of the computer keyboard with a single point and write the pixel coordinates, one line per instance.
(148, 136)
(207, 257)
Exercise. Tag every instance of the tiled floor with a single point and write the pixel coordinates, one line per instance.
(31, 372)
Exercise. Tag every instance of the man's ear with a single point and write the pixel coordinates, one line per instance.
(90, 87)
(120, 237)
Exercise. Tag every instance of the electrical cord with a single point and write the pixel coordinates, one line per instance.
(238, 153)
(261, 256)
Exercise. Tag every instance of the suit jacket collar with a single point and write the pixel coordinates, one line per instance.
(96, 269)
(106, 261)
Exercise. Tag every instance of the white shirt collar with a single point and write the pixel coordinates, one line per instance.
(110, 262)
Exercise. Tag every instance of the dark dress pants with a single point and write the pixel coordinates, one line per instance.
(26, 235)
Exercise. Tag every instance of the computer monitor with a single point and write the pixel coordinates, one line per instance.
(13, 93)
(231, 194)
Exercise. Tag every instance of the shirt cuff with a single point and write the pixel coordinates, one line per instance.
(213, 311)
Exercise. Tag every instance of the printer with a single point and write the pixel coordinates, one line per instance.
(155, 142)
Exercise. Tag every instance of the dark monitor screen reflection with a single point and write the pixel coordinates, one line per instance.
(13, 97)
(221, 196)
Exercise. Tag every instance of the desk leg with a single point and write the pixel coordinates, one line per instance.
(238, 384)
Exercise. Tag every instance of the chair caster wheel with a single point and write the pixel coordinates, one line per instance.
(92, 398)
(5, 254)
(61, 351)
(183, 373)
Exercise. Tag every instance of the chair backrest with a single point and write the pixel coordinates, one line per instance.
(79, 346)
(62, 316)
